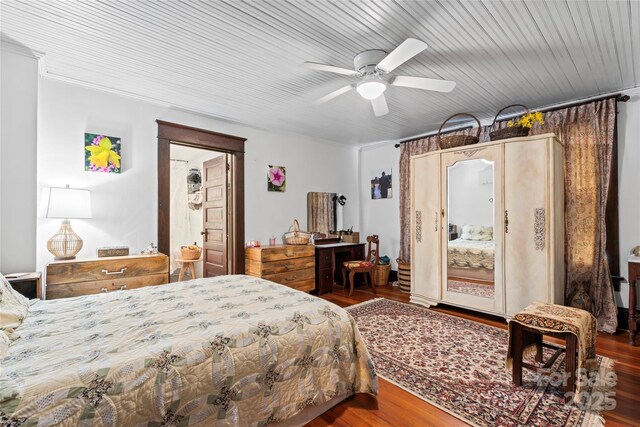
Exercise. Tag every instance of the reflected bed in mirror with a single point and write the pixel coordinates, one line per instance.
(324, 212)
(471, 246)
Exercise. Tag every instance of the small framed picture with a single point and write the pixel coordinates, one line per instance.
(381, 181)
(102, 153)
(277, 178)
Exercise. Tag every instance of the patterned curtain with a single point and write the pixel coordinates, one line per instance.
(587, 132)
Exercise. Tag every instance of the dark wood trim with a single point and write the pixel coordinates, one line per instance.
(200, 138)
(172, 133)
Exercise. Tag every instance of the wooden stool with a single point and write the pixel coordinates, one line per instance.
(524, 336)
(187, 263)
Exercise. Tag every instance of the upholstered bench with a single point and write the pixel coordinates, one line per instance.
(575, 326)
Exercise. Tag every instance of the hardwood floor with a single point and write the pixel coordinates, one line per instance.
(396, 407)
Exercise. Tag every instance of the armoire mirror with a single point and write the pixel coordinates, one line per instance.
(471, 245)
(324, 212)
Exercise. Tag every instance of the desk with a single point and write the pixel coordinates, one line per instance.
(634, 276)
(329, 259)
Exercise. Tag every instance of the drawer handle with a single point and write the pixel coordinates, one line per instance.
(122, 270)
(291, 279)
(105, 290)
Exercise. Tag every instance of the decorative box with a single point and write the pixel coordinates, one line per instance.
(351, 238)
(108, 251)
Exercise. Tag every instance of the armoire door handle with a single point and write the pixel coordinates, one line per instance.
(506, 221)
(436, 222)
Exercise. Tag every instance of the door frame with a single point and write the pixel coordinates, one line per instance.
(173, 133)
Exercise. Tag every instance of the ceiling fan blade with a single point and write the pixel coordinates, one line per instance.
(332, 95)
(380, 107)
(424, 83)
(330, 68)
(407, 50)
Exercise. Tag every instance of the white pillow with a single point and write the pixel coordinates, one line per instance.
(14, 307)
(476, 232)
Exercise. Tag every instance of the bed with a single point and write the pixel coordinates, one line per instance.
(227, 351)
(471, 253)
(472, 256)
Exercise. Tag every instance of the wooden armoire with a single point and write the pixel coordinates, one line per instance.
(487, 225)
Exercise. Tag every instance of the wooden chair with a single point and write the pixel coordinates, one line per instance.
(362, 266)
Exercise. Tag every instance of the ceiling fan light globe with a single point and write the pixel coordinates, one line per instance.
(371, 89)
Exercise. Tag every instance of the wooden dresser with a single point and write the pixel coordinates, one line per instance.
(290, 265)
(74, 278)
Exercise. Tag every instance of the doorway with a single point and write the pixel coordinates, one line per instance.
(199, 213)
(222, 194)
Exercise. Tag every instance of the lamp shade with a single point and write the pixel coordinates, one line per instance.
(371, 87)
(68, 203)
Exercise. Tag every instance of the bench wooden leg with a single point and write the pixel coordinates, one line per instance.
(516, 353)
(192, 270)
(570, 359)
(538, 340)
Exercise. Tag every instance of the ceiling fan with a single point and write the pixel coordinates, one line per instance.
(373, 67)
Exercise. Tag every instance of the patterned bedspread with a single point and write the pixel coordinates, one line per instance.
(231, 350)
(471, 253)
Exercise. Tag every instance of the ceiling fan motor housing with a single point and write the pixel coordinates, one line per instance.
(365, 62)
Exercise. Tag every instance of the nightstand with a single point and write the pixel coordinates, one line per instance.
(28, 284)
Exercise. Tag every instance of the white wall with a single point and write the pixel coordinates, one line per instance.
(383, 216)
(380, 216)
(125, 205)
(18, 118)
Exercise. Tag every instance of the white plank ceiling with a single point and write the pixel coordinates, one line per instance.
(239, 60)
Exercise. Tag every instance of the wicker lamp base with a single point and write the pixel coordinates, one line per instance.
(65, 244)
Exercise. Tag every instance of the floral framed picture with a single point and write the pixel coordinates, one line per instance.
(276, 178)
(102, 153)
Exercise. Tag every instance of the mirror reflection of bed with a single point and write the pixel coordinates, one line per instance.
(471, 246)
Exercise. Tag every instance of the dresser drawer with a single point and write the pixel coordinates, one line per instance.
(67, 290)
(257, 268)
(325, 258)
(106, 269)
(325, 280)
(303, 285)
(277, 253)
(291, 276)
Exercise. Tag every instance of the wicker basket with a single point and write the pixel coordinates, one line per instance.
(404, 275)
(452, 141)
(296, 237)
(380, 275)
(508, 132)
(190, 254)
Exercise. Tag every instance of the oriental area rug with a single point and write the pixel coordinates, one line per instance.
(458, 366)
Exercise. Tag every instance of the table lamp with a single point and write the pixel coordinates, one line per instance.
(66, 203)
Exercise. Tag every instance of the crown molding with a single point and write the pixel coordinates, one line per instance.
(19, 49)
